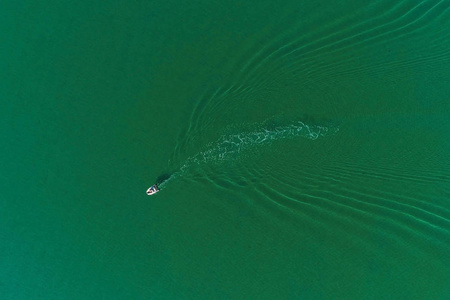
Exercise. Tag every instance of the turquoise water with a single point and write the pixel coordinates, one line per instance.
(301, 149)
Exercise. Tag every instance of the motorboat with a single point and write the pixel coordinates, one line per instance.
(153, 190)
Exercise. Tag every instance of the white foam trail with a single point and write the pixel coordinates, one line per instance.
(231, 146)
(228, 146)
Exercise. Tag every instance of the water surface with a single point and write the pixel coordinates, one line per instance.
(302, 150)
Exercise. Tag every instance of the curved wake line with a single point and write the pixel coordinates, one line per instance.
(229, 147)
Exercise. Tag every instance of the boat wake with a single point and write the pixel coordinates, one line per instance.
(232, 146)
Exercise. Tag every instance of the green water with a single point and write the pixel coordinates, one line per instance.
(302, 150)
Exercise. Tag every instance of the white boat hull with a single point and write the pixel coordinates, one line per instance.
(153, 190)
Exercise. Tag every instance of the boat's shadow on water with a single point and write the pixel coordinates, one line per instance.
(163, 177)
